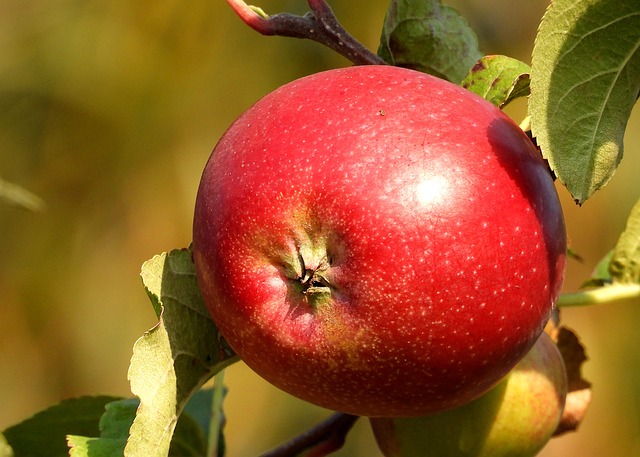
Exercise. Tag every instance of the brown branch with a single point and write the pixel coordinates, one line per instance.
(319, 25)
(319, 441)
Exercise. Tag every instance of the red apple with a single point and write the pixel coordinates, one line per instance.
(514, 419)
(378, 241)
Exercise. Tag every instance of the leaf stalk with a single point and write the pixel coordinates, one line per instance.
(605, 294)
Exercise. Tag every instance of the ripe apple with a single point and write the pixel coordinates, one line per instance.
(514, 419)
(378, 241)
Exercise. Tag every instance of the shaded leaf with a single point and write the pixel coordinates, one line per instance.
(585, 79)
(173, 359)
(498, 79)
(44, 434)
(217, 444)
(427, 36)
(199, 408)
(206, 408)
(579, 390)
(189, 439)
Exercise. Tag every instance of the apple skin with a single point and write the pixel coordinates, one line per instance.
(378, 241)
(514, 419)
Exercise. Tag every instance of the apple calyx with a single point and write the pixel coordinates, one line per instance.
(314, 284)
(308, 272)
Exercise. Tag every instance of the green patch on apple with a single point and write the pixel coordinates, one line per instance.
(514, 419)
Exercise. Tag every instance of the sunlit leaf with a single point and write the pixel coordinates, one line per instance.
(625, 262)
(427, 36)
(498, 79)
(5, 449)
(585, 79)
(173, 359)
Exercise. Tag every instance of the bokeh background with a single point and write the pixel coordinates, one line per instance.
(108, 112)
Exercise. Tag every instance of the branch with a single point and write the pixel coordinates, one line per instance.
(319, 25)
(319, 441)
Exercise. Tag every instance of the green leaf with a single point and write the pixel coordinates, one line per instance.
(44, 434)
(199, 407)
(427, 36)
(206, 408)
(498, 79)
(188, 438)
(585, 79)
(625, 262)
(601, 275)
(16, 195)
(173, 359)
(617, 275)
(81, 446)
(5, 449)
(114, 429)
(217, 444)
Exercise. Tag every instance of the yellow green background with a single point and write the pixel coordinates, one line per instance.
(108, 112)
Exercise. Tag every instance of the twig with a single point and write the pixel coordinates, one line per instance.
(604, 294)
(319, 441)
(319, 25)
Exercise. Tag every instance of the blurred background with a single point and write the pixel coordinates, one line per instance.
(108, 112)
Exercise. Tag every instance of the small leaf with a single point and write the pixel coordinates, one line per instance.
(44, 434)
(173, 359)
(188, 438)
(498, 79)
(625, 262)
(114, 430)
(601, 276)
(427, 36)
(118, 417)
(81, 446)
(585, 79)
(18, 196)
(5, 449)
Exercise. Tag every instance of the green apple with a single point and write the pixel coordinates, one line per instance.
(514, 419)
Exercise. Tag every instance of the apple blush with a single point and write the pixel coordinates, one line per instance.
(378, 241)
